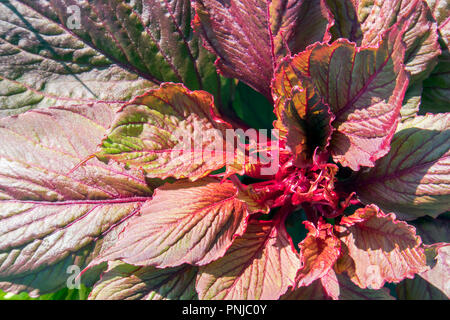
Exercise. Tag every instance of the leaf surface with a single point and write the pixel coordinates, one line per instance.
(261, 264)
(170, 132)
(52, 218)
(126, 282)
(382, 249)
(185, 222)
(319, 251)
(413, 178)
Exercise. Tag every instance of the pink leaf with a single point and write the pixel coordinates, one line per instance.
(261, 264)
(381, 248)
(185, 222)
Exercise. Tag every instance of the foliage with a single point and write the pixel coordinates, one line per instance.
(129, 149)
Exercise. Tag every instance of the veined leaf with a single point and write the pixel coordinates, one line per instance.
(185, 222)
(308, 123)
(364, 88)
(42, 63)
(340, 287)
(126, 282)
(381, 248)
(51, 218)
(363, 22)
(249, 37)
(414, 178)
(261, 264)
(151, 38)
(433, 284)
(319, 251)
(170, 132)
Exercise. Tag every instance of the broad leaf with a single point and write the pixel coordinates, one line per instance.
(170, 132)
(290, 18)
(413, 179)
(431, 230)
(261, 264)
(340, 287)
(382, 248)
(319, 251)
(411, 102)
(436, 88)
(126, 282)
(185, 222)
(51, 218)
(364, 88)
(363, 22)
(237, 32)
(151, 38)
(249, 37)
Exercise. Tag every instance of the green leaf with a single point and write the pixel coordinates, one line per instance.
(171, 132)
(185, 222)
(126, 282)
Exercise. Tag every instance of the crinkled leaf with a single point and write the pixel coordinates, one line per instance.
(364, 88)
(363, 22)
(261, 264)
(319, 251)
(413, 179)
(308, 123)
(185, 222)
(169, 132)
(382, 248)
(148, 37)
(50, 218)
(126, 282)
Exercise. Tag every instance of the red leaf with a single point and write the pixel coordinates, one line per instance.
(250, 37)
(381, 248)
(413, 179)
(261, 264)
(185, 222)
(172, 132)
(308, 123)
(238, 33)
(319, 251)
